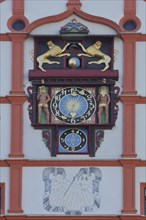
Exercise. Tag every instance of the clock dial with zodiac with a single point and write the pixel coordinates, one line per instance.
(73, 105)
(73, 140)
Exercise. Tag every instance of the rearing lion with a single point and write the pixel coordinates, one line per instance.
(54, 51)
(94, 51)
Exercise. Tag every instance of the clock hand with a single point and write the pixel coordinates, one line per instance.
(72, 140)
(70, 185)
(72, 111)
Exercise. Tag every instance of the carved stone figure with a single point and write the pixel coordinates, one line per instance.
(43, 98)
(103, 99)
(94, 51)
(54, 51)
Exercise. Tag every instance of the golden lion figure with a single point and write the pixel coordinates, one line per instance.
(94, 51)
(54, 51)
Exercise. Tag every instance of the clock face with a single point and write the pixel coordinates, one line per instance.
(73, 105)
(73, 140)
(72, 191)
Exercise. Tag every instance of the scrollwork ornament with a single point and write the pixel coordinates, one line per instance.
(116, 100)
(46, 135)
(29, 91)
(99, 137)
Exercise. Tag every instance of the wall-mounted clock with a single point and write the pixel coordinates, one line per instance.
(73, 105)
(72, 191)
(73, 140)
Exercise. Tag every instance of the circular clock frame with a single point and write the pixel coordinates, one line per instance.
(73, 140)
(73, 105)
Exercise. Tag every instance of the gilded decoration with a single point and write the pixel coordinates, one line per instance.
(94, 51)
(74, 27)
(73, 97)
(54, 51)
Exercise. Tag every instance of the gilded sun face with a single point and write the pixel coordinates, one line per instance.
(73, 105)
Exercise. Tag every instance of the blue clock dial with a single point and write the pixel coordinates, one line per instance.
(73, 140)
(73, 105)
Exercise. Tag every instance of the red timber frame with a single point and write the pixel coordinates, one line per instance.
(142, 189)
(2, 199)
(17, 99)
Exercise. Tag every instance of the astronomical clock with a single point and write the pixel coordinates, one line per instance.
(73, 97)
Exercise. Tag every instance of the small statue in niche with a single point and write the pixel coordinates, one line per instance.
(103, 99)
(43, 98)
(94, 51)
(54, 51)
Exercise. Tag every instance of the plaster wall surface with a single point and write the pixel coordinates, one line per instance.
(4, 178)
(141, 14)
(5, 6)
(33, 145)
(118, 60)
(99, 8)
(28, 58)
(5, 129)
(5, 68)
(140, 137)
(107, 190)
(141, 68)
(111, 147)
(140, 178)
(43, 8)
(54, 28)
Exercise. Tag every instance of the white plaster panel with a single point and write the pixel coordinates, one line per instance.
(112, 9)
(140, 178)
(141, 68)
(5, 67)
(110, 188)
(4, 178)
(54, 28)
(28, 57)
(141, 14)
(111, 147)
(5, 130)
(141, 131)
(118, 60)
(33, 145)
(43, 8)
(5, 13)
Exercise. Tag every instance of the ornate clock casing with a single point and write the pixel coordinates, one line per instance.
(73, 68)
(73, 105)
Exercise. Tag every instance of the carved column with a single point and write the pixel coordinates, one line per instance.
(74, 4)
(129, 64)
(17, 62)
(15, 187)
(128, 187)
(129, 126)
(17, 125)
(129, 7)
(18, 7)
